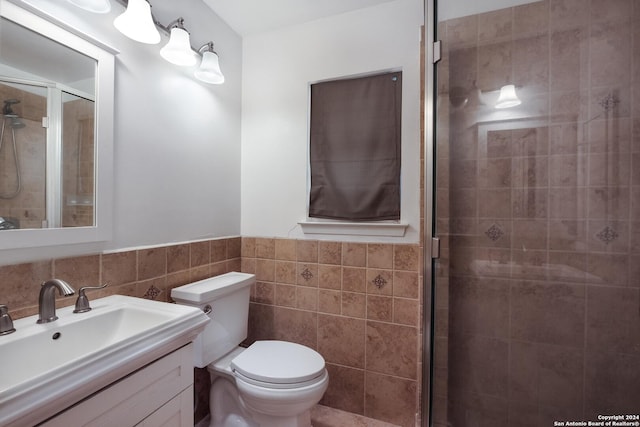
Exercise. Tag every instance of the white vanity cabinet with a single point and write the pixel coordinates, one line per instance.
(158, 394)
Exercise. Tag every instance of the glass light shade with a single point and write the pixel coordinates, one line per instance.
(95, 6)
(209, 71)
(508, 97)
(137, 23)
(178, 49)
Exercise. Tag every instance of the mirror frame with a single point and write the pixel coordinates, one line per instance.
(48, 26)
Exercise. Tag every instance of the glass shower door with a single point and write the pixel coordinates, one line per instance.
(537, 206)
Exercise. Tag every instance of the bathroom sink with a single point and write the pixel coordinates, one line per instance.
(45, 368)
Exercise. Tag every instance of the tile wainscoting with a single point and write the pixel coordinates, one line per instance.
(358, 304)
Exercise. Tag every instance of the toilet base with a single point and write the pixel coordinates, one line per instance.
(228, 409)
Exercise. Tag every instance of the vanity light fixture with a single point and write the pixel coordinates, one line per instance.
(508, 97)
(137, 23)
(209, 70)
(178, 50)
(95, 6)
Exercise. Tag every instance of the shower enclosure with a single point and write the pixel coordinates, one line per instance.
(536, 293)
(46, 155)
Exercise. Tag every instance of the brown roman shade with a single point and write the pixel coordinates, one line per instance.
(355, 148)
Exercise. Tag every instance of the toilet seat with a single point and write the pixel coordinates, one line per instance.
(279, 364)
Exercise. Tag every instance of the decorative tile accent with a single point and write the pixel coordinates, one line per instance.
(379, 281)
(607, 235)
(307, 274)
(609, 102)
(494, 233)
(152, 292)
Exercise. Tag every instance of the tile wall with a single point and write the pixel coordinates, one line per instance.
(28, 207)
(538, 305)
(147, 273)
(357, 304)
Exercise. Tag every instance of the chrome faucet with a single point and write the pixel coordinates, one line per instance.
(6, 323)
(47, 299)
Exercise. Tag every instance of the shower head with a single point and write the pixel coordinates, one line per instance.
(7, 111)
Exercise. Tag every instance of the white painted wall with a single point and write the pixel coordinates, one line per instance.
(277, 69)
(177, 140)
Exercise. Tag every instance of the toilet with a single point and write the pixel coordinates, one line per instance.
(268, 384)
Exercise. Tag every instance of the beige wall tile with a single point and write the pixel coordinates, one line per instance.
(119, 268)
(354, 304)
(354, 279)
(265, 248)
(200, 253)
(152, 263)
(248, 248)
(354, 254)
(380, 308)
(234, 247)
(218, 250)
(296, 326)
(307, 298)
(346, 389)
(265, 293)
(265, 270)
(178, 258)
(329, 252)
(392, 349)
(307, 274)
(379, 255)
(341, 340)
(330, 276)
(285, 272)
(406, 284)
(329, 301)
(379, 282)
(390, 399)
(20, 284)
(285, 295)
(406, 257)
(78, 271)
(285, 249)
(307, 251)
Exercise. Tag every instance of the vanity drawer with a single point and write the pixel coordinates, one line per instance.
(135, 397)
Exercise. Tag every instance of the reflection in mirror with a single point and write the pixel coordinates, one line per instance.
(47, 152)
(77, 161)
(22, 156)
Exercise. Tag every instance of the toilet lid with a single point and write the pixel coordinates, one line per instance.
(279, 362)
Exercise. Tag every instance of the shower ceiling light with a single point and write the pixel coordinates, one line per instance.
(209, 70)
(508, 97)
(137, 23)
(178, 50)
(95, 6)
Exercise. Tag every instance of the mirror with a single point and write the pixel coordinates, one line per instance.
(56, 131)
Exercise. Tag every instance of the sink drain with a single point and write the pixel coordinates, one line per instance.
(56, 335)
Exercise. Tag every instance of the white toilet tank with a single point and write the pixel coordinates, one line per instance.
(228, 297)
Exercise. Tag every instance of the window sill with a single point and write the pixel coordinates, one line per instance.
(354, 228)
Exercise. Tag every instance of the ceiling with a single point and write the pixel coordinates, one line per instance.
(255, 16)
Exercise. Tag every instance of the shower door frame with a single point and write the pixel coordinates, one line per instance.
(430, 243)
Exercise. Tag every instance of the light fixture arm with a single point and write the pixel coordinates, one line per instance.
(207, 47)
(176, 23)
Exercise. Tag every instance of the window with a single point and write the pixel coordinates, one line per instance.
(355, 148)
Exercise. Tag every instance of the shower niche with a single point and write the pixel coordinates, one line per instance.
(56, 130)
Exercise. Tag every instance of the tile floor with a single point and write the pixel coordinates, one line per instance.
(323, 416)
